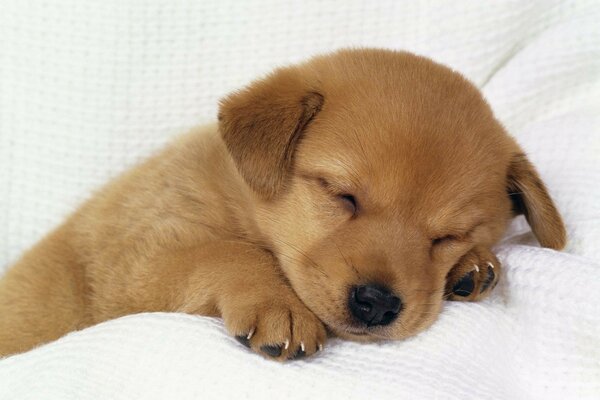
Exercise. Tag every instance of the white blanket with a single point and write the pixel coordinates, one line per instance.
(89, 88)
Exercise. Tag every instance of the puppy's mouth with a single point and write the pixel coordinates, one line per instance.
(357, 332)
(360, 333)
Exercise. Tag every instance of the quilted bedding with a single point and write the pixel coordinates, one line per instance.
(89, 88)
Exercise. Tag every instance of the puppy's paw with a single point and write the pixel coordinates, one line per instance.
(474, 276)
(279, 328)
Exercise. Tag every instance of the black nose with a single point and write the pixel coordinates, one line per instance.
(374, 304)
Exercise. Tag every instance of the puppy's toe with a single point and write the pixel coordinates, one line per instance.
(277, 330)
(465, 285)
(490, 279)
(244, 339)
(473, 277)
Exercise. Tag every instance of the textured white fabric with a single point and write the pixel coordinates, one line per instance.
(88, 88)
(536, 339)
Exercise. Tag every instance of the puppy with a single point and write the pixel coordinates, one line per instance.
(352, 193)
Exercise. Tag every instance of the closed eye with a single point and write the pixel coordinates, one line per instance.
(444, 239)
(455, 237)
(349, 202)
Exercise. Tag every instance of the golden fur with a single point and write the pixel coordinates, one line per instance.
(253, 220)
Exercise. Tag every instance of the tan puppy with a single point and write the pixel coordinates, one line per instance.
(353, 192)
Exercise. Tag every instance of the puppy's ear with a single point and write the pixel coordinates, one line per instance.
(262, 123)
(530, 197)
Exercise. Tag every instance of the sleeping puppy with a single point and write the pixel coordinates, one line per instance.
(351, 194)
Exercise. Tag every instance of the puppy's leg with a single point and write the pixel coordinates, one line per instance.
(474, 276)
(41, 296)
(244, 285)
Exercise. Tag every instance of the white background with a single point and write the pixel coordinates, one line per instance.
(88, 88)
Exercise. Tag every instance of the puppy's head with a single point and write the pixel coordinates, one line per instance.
(374, 172)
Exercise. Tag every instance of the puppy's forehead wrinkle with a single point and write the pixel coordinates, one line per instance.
(338, 171)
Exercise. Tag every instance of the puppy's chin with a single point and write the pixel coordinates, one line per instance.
(378, 333)
(357, 337)
(360, 334)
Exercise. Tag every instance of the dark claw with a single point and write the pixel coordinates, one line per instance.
(273, 350)
(464, 287)
(243, 339)
(299, 354)
(488, 280)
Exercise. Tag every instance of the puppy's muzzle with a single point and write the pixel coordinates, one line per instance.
(374, 304)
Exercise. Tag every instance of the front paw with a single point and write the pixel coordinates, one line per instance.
(279, 328)
(474, 276)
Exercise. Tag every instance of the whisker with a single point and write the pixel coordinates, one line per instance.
(350, 264)
(290, 246)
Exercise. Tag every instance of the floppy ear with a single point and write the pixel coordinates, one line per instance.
(530, 197)
(262, 123)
